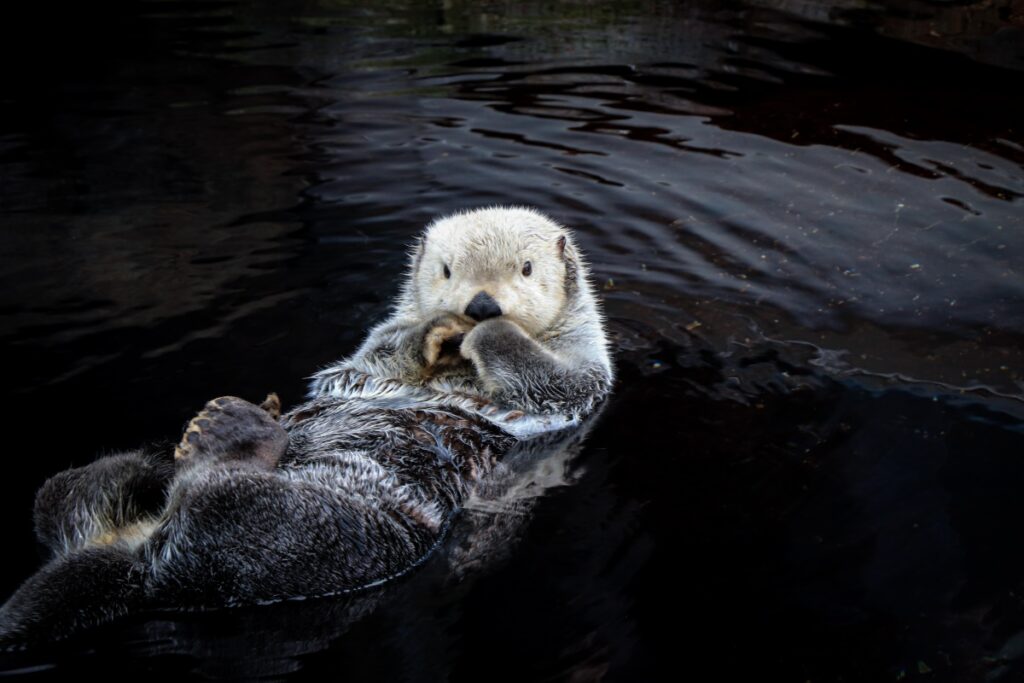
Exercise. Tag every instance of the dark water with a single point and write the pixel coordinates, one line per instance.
(807, 220)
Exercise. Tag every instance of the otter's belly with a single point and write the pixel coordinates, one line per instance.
(435, 453)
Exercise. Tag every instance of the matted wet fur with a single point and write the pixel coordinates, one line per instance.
(495, 339)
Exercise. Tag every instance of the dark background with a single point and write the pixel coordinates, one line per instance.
(806, 223)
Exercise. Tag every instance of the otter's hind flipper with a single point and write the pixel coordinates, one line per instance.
(85, 588)
(231, 430)
(113, 498)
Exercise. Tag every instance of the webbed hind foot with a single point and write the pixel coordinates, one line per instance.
(233, 430)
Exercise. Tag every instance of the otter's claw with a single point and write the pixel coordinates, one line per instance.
(272, 404)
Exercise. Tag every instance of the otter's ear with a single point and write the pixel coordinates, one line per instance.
(566, 250)
(568, 254)
(416, 253)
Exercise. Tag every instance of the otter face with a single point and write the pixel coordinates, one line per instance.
(488, 263)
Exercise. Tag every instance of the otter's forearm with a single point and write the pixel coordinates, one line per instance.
(393, 350)
(406, 351)
(519, 372)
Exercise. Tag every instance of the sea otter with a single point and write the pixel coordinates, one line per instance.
(496, 338)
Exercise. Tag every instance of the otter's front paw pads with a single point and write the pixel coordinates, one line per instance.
(230, 429)
(443, 339)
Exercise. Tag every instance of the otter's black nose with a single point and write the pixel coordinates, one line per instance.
(482, 307)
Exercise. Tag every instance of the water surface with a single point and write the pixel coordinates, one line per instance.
(806, 221)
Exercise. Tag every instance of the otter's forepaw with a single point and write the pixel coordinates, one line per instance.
(443, 340)
(497, 337)
(230, 429)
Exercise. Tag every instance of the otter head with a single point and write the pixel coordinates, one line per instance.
(500, 262)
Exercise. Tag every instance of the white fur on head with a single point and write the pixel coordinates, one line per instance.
(486, 250)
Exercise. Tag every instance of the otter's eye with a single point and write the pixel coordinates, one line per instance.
(527, 268)
(447, 273)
